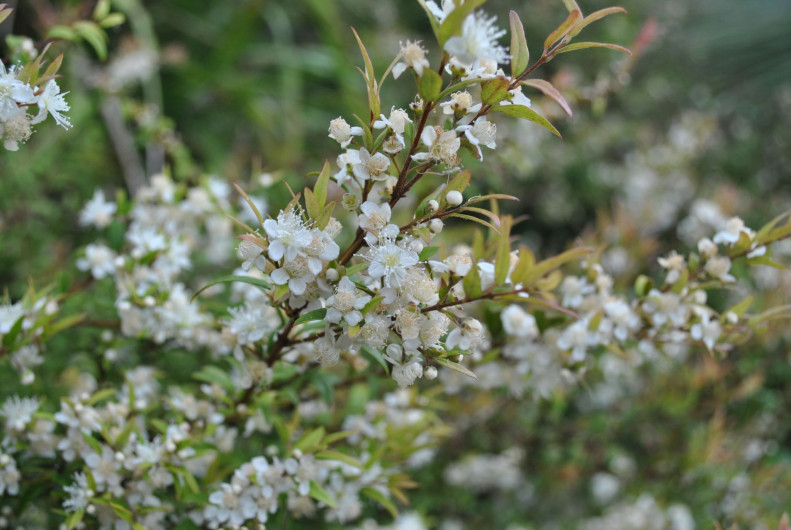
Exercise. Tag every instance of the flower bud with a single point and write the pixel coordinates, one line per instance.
(350, 202)
(454, 198)
(332, 275)
(432, 206)
(430, 373)
(435, 226)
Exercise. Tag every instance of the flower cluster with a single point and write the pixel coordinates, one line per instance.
(17, 95)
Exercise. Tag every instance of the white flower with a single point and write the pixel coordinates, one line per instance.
(515, 97)
(414, 56)
(674, 263)
(320, 250)
(97, 211)
(478, 41)
(441, 13)
(707, 247)
(574, 291)
(296, 273)
(623, 318)
(342, 132)
(391, 262)
(80, 494)
(288, 236)
(18, 413)
(346, 303)
(718, 267)
(442, 145)
(460, 103)
(375, 219)
(100, 259)
(374, 167)
(52, 101)
(577, 338)
(706, 330)
(466, 336)
(730, 233)
(482, 132)
(664, 307)
(518, 323)
(225, 506)
(9, 475)
(252, 321)
(405, 369)
(397, 121)
(13, 92)
(105, 469)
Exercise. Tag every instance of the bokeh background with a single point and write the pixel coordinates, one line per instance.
(662, 147)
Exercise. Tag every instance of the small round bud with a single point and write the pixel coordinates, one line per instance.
(432, 206)
(297, 454)
(430, 373)
(454, 198)
(416, 245)
(241, 408)
(271, 450)
(332, 275)
(149, 301)
(107, 335)
(90, 509)
(435, 226)
(119, 456)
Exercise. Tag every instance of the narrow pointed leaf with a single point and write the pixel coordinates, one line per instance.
(562, 30)
(456, 367)
(585, 45)
(593, 17)
(520, 55)
(528, 114)
(231, 279)
(546, 88)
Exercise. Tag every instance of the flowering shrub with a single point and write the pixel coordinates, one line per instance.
(316, 373)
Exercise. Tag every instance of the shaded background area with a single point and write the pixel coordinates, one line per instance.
(246, 87)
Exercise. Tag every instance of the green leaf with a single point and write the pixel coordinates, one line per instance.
(551, 92)
(62, 32)
(429, 85)
(112, 20)
(13, 333)
(380, 498)
(502, 261)
(368, 138)
(542, 268)
(523, 265)
(375, 355)
(323, 219)
(74, 519)
(214, 375)
(427, 252)
(528, 114)
(584, 45)
(311, 204)
(593, 17)
(370, 78)
(643, 285)
(562, 30)
(101, 10)
(458, 183)
(456, 367)
(101, 395)
(250, 203)
(372, 304)
(93, 35)
(738, 309)
(93, 442)
(316, 314)
(494, 91)
(472, 283)
(321, 495)
(452, 24)
(487, 224)
(322, 185)
(336, 437)
(520, 55)
(338, 456)
(231, 279)
(310, 440)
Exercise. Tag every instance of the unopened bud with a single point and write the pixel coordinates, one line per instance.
(435, 226)
(430, 373)
(432, 206)
(454, 198)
